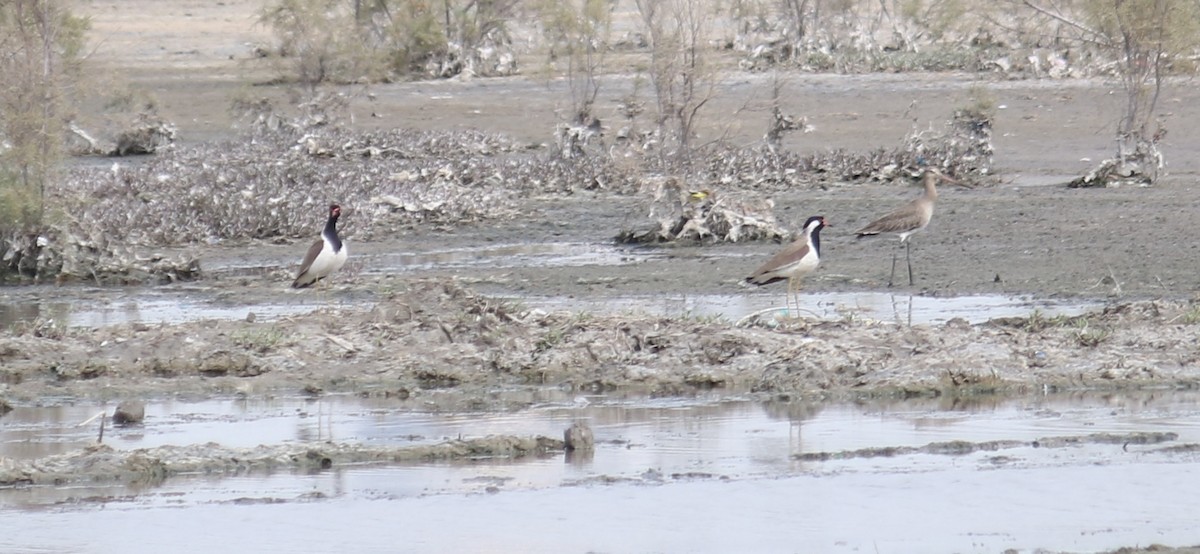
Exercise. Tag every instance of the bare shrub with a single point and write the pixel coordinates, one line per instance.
(319, 42)
(1144, 37)
(681, 76)
(577, 33)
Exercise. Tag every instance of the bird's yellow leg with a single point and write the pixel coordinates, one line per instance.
(791, 297)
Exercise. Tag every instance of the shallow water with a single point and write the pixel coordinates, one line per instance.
(905, 309)
(83, 306)
(527, 254)
(169, 305)
(698, 475)
(97, 307)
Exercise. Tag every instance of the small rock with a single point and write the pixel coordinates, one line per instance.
(129, 412)
(578, 437)
(5, 407)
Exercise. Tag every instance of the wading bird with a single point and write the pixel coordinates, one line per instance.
(794, 262)
(909, 219)
(325, 256)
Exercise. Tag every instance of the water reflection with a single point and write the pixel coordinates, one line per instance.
(711, 434)
(30, 312)
(877, 306)
(159, 307)
(542, 254)
(690, 451)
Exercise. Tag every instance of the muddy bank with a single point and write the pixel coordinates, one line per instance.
(151, 466)
(959, 448)
(434, 334)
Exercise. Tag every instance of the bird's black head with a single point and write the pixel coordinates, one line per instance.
(815, 222)
(813, 228)
(335, 211)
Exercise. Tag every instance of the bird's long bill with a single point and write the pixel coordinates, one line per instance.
(955, 181)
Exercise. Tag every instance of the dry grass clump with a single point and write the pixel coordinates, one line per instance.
(962, 147)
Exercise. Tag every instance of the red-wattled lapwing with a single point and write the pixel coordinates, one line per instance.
(909, 219)
(794, 262)
(325, 256)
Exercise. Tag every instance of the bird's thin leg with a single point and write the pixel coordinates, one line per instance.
(908, 258)
(787, 299)
(795, 295)
(323, 284)
(892, 278)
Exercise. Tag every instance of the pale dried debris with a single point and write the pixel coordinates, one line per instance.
(1142, 167)
(148, 133)
(705, 216)
(66, 251)
(960, 147)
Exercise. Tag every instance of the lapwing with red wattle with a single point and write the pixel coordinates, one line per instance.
(794, 262)
(325, 256)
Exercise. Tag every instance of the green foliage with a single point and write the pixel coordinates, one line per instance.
(20, 205)
(40, 46)
(401, 35)
(1038, 321)
(983, 102)
(937, 17)
(1090, 337)
(339, 41)
(318, 40)
(1192, 316)
(259, 339)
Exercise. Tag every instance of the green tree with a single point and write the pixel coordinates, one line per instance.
(40, 45)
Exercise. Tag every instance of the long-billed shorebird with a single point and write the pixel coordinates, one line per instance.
(800, 258)
(909, 219)
(325, 256)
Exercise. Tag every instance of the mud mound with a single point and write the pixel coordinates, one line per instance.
(432, 334)
(154, 465)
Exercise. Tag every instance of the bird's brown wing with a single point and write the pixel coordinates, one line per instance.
(309, 258)
(899, 221)
(766, 273)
